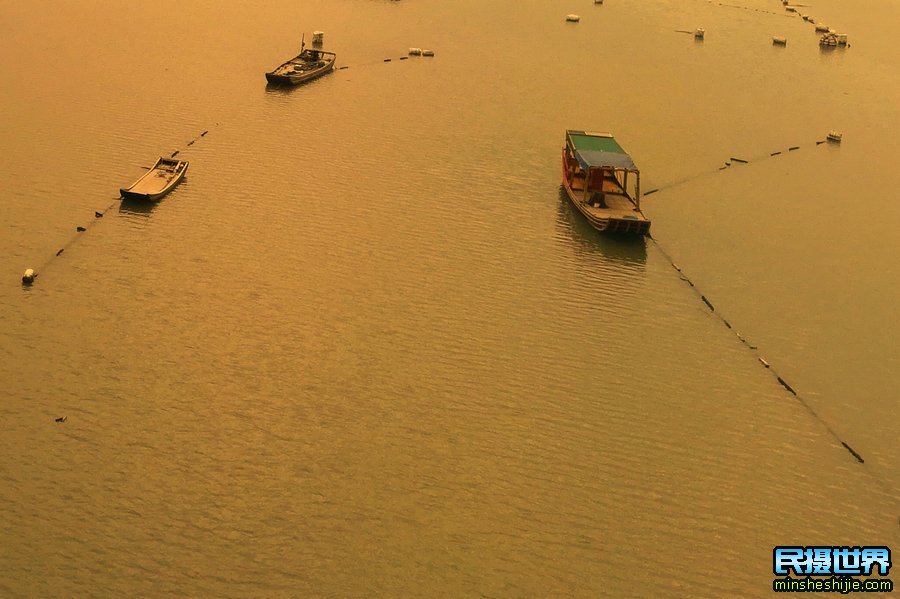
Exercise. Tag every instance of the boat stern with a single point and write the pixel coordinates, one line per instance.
(628, 226)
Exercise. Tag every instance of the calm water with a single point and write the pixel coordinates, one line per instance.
(368, 349)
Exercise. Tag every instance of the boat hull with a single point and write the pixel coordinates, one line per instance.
(157, 182)
(613, 221)
(288, 80)
(287, 75)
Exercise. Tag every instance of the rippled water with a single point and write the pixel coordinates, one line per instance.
(367, 348)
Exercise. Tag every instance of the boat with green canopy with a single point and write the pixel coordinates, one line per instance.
(603, 182)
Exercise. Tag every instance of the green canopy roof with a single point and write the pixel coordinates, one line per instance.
(598, 149)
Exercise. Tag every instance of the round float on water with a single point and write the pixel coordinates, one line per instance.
(28, 277)
(573, 18)
(415, 51)
(779, 41)
(427, 52)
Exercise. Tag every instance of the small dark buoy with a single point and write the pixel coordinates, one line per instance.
(741, 160)
(786, 386)
(61, 250)
(387, 60)
(774, 153)
(792, 148)
(855, 455)
(80, 229)
(190, 143)
(403, 58)
(707, 302)
(174, 154)
(62, 418)
(204, 133)
(98, 215)
(342, 68)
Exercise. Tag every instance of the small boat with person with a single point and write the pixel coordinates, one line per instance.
(158, 181)
(306, 66)
(603, 183)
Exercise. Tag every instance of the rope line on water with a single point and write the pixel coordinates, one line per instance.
(98, 214)
(728, 164)
(768, 12)
(780, 379)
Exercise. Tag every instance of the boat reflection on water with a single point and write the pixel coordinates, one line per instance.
(129, 207)
(573, 229)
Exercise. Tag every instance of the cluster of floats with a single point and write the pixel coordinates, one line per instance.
(830, 37)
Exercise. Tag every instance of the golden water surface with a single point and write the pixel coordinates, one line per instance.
(367, 348)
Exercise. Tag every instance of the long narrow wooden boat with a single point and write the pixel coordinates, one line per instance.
(306, 66)
(603, 183)
(158, 181)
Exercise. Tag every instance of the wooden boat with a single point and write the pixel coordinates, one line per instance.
(603, 182)
(306, 66)
(158, 181)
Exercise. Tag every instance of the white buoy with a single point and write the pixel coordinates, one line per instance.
(699, 33)
(427, 52)
(790, 9)
(318, 37)
(821, 27)
(415, 51)
(779, 41)
(841, 39)
(835, 136)
(573, 18)
(28, 277)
